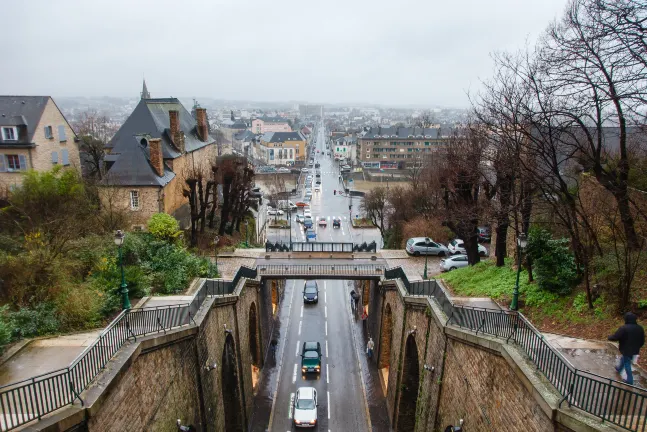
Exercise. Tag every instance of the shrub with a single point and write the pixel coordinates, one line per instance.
(5, 329)
(40, 320)
(553, 262)
(164, 227)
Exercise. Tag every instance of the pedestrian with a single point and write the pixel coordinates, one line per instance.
(273, 344)
(630, 338)
(356, 300)
(352, 299)
(369, 347)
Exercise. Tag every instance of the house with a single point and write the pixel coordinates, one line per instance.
(263, 125)
(152, 155)
(345, 147)
(34, 134)
(243, 140)
(282, 148)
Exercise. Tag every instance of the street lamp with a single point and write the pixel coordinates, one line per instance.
(216, 239)
(522, 242)
(119, 241)
(246, 233)
(424, 275)
(290, 225)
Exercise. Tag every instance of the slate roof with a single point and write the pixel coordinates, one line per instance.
(21, 111)
(274, 119)
(245, 135)
(150, 118)
(403, 133)
(279, 137)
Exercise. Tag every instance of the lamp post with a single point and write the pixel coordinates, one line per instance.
(216, 239)
(522, 242)
(246, 233)
(424, 276)
(290, 225)
(119, 241)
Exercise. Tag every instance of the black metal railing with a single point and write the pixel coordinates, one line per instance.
(608, 399)
(31, 399)
(321, 247)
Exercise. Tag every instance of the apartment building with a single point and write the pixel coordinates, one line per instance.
(263, 125)
(281, 148)
(398, 147)
(34, 135)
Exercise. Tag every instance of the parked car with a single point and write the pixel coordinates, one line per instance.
(311, 235)
(299, 218)
(453, 263)
(317, 165)
(310, 291)
(305, 407)
(274, 212)
(304, 170)
(336, 222)
(484, 234)
(306, 211)
(457, 247)
(317, 187)
(308, 193)
(283, 170)
(345, 168)
(308, 178)
(425, 246)
(255, 193)
(286, 204)
(322, 221)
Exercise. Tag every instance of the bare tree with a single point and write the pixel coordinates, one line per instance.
(94, 131)
(377, 208)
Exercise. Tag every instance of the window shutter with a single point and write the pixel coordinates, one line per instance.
(64, 157)
(23, 162)
(61, 133)
(3, 164)
(54, 157)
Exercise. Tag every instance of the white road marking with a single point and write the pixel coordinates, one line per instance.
(324, 285)
(326, 348)
(301, 311)
(326, 328)
(300, 327)
(291, 405)
(294, 374)
(297, 353)
(325, 297)
(327, 375)
(325, 315)
(328, 405)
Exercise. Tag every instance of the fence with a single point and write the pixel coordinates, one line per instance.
(31, 399)
(321, 247)
(334, 270)
(608, 399)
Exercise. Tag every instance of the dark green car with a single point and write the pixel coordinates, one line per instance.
(311, 357)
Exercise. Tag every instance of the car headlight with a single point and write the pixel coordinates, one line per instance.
(316, 297)
(313, 421)
(297, 421)
(305, 298)
(303, 369)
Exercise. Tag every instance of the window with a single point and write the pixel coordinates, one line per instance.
(9, 133)
(54, 157)
(49, 133)
(65, 160)
(134, 200)
(61, 133)
(11, 163)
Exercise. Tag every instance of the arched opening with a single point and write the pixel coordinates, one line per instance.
(254, 344)
(229, 376)
(409, 387)
(275, 295)
(386, 338)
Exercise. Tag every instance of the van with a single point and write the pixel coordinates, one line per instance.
(286, 204)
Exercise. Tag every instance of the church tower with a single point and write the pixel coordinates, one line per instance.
(145, 94)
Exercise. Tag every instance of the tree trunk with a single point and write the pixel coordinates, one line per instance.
(501, 241)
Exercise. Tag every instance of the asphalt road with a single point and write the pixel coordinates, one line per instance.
(327, 204)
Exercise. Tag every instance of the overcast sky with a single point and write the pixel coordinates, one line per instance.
(427, 52)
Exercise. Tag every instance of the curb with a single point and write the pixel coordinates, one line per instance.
(361, 371)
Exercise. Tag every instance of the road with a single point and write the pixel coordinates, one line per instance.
(328, 204)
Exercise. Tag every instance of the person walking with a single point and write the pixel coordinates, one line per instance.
(630, 338)
(273, 344)
(369, 348)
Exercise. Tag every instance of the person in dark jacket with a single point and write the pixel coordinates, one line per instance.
(631, 337)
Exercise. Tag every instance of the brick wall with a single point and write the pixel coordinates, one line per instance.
(159, 387)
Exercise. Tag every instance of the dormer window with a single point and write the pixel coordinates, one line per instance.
(10, 133)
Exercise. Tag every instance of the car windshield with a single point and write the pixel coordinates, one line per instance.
(311, 290)
(410, 241)
(305, 404)
(311, 354)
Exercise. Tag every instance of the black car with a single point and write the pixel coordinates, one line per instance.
(336, 222)
(317, 165)
(484, 234)
(310, 292)
(255, 193)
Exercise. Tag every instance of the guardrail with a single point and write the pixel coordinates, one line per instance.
(334, 270)
(31, 399)
(612, 401)
(321, 247)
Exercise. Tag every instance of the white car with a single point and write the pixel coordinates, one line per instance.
(300, 218)
(305, 407)
(306, 212)
(283, 170)
(322, 221)
(457, 247)
(345, 168)
(317, 187)
(308, 193)
(425, 246)
(453, 263)
(305, 170)
(273, 212)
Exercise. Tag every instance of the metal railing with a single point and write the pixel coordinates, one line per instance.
(31, 399)
(618, 403)
(340, 270)
(321, 247)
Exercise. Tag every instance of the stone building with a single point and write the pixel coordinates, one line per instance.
(398, 147)
(149, 158)
(34, 134)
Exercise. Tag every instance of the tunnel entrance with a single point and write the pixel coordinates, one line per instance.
(409, 388)
(386, 338)
(229, 378)
(254, 344)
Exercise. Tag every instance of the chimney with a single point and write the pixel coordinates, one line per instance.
(203, 128)
(156, 157)
(176, 134)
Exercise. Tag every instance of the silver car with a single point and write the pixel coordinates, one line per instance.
(425, 246)
(457, 247)
(305, 407)
(453, 263)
